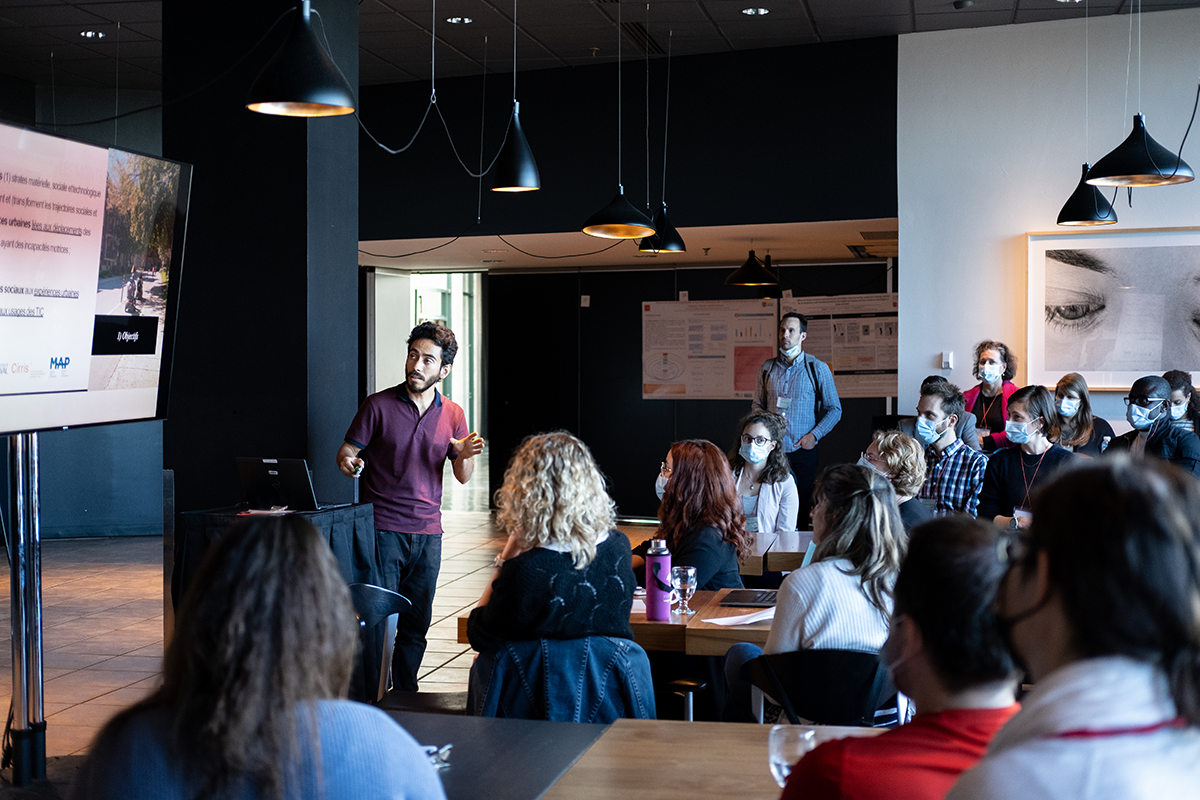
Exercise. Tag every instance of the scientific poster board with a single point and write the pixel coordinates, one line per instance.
(706, 350)
(857, 336)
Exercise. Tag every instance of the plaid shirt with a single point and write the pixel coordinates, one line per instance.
(776, 379)
(954, 479)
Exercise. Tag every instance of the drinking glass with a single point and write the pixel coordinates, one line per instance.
(788, 744)
(683, 581)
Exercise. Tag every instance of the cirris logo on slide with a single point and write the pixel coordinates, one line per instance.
(17, 369)
(59, 362)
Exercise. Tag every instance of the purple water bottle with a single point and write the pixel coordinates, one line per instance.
(658, 581)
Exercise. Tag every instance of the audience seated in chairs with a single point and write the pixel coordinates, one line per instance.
(264, 644)
(1101, 603)
(552, 626)
(842, 600)
(946, 653)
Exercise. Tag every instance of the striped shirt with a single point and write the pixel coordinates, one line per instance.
(794, 385)
(954, 478)
(821, 607)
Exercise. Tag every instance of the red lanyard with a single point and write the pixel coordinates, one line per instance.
(988, 408)
(1083, 733)
(1029, 482)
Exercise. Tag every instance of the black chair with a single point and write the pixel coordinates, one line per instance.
(827, 687)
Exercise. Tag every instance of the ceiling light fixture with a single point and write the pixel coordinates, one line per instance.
(92, 34)
(516, 170)
(301, 79)
(752, 273)
(961, 4)
(665, 238)
(619, 219)
(465, 20)
(756, 12)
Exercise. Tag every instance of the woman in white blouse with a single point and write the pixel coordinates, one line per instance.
(765, 484)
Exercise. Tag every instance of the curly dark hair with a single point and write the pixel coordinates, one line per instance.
(1010, 359)
(777, 468)
(700, 494)
(440, 335)
(266, 626)
(1181, 381)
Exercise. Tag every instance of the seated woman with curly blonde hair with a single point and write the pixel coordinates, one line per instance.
(565, 571)
(900, 458)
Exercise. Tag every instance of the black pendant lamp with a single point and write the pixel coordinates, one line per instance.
(301, 80)
(1140, 161)
(515, 169)
(1087, 205)
(619, 219)
(665, 239)
(752, 273)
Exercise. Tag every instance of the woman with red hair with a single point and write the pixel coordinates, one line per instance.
(701, 516)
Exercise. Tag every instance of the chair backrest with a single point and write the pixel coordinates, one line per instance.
(829, 687)
(594, 679)
(374, 605)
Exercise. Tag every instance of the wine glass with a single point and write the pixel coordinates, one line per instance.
(683, 581)
(788, 744)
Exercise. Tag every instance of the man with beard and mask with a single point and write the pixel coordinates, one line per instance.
(1101, 604)
(1148, 410)
(799, 388)
(953, 470)
(944, 651)
(398, 442)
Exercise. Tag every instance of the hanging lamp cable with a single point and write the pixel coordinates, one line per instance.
(667, 119)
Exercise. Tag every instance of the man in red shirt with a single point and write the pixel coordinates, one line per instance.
(946, 653)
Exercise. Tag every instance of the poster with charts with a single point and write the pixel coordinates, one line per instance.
(857, 336)
(705, 350)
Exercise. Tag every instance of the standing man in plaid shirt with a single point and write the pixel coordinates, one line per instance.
(953, 471)
(799, 388)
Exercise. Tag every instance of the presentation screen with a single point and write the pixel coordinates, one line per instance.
(91, 249)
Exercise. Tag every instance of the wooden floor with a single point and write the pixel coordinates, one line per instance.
(103, 623)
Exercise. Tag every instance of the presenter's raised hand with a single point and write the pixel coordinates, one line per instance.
(467, 447)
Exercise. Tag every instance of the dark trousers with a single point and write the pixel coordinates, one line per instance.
(410, 563)
(804, 464)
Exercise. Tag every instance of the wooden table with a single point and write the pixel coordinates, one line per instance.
(707, 639)
(787, 553)
(753, 565)
(673, 760)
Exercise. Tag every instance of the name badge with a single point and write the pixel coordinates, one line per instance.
(784, 402)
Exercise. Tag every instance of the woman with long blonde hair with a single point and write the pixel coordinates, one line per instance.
(565, 571)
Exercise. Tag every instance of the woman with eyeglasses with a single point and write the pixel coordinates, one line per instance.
(765, 483)
(1101, 604)
(1012, 474)
(901, 460)
(1147, 409)
(700, 516)
(1080, 431)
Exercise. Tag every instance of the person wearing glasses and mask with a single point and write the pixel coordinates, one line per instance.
(764, 480)
(1080, 431)
(900, 459)
(1147, 408)
(1101, 604)
(1013, 473)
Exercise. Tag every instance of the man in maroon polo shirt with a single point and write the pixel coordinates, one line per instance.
(398, 442)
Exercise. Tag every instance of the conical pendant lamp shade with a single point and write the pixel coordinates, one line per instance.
(665, 239)
(619, 220)
(300, 80)
(1140, 161)
(752, 273)
(515, 169)
(1086, 205)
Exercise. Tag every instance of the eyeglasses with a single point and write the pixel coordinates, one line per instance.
(1144, 402)
(873, 459)
(758, 440)
(664, 470)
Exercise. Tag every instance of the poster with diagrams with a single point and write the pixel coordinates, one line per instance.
(705, 350)
(857, 336)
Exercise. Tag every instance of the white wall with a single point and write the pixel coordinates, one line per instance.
(990, 141)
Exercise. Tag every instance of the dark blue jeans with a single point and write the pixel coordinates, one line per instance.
(804, 464)
(410, 563)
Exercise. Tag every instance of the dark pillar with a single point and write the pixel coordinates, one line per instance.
(266, 349)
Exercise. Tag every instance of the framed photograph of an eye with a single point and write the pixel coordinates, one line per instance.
(1113, 305)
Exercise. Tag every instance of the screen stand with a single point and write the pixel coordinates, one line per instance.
(28, 733)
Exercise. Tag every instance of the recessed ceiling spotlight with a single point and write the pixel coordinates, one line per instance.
(756, 12)
(961, 4)
(92, 34)
(459, 20)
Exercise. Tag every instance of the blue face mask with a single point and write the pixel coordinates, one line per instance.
(1017, 432)
(791, 352)
(754, 453)
(928, 431)
(1177, 412)
(1141, 418)
(660, 485)
(1068, 406)
(991, 373)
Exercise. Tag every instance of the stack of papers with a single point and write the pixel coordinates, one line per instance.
(744, 619)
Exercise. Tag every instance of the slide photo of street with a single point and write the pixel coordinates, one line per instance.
(139, 221)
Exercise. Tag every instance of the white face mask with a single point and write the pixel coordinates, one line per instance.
(991, 373)
(863, 461)
(791, 352)
(1178, 411)
(1068, 406)
(1141, 418)
(660, 485)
